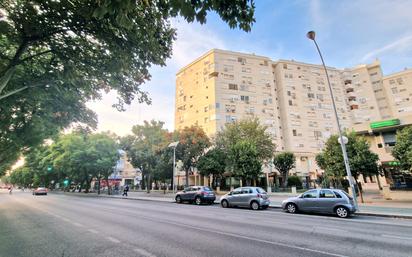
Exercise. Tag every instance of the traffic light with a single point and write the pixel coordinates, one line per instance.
(49, 169)
(66, 182)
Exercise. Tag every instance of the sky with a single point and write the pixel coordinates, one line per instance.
(348, 32)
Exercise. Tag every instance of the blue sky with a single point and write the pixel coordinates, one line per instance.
(348, 32)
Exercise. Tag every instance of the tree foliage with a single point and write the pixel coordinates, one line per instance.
(402, 151)
(145, 146)
(78, 156)
(212, 163)
(57, 55)
(246, 162)
(284, 162)
(236, 136)
(193, 143)
(361, 159)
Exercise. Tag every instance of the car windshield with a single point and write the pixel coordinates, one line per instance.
(207, 189)
(350, 197)
(260, 190)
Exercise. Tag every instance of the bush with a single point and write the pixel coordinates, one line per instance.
(294, 181)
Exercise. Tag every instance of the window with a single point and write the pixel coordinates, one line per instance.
(337, 194)
(326, 194)
(311, 95)
(289, 93)
(247, 191)
(400, 81)
(206, 119)
(237, 191)
(217, 106)
(206, 108)
(394, 90)
(294, 133)
(244, 98)
(233, 87)
(310, 194)
(290, 102)
(285, 66)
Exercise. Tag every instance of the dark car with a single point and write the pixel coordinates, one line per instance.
(324, 200)
(196, 194)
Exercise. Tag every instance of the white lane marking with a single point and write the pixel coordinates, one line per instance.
(143, 252)
(397, 237)
(114, 240)
(93, 231)
(251, 238)
(77, 224)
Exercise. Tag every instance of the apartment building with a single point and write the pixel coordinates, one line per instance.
(291, 98)
(398, 89)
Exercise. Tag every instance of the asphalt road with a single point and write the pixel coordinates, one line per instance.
(62, 225)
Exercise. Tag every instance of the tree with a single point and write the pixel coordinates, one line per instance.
(284, 162)
(253, 132)
(361, 159)
(146, 144)
(245, 160)
(212, 163)
(402, 151)
(193, 143)
(57, 55)
(22, 177)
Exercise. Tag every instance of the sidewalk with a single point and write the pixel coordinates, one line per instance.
(393, 209)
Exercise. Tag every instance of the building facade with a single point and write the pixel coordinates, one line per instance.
(291, 98)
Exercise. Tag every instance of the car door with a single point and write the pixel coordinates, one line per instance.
(192, 193)
(245, 196)
(186, 193)
(326, 201)
(235, 197)
(308, 200)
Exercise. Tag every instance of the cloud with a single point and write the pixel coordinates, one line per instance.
(400, 45)
(193, 40)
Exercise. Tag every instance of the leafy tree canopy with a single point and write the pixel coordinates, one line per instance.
(284, 162)
(212, 163)
(193, 143)
(57, 55)
(361, 159)
(246, 163)
(402, 151)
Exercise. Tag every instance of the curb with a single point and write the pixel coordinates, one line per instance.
(396, 216)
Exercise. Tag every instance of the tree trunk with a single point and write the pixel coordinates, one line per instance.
(285, 179)
(109, 191)
(148, 183)
(187, 177)
(379, 182)
(98, 185)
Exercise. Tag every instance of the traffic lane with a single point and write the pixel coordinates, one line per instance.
(290, 232)
(26, 232)
(183, 241)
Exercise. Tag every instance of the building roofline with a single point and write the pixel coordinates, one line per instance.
(397, 74)
(215, 50)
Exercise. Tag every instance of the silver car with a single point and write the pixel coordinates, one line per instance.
(324, 200)
(252, 197)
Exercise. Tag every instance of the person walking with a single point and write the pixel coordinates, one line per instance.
(125, 190)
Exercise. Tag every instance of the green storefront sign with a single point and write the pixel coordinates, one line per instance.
(385, 123)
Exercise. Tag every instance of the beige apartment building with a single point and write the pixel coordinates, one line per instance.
(291, 98)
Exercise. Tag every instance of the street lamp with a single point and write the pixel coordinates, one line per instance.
(311, 35)
(174, 145)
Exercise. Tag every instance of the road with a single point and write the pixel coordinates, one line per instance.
(76, 226)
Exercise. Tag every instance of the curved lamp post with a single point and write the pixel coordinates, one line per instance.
(311, 35)
(174, 145)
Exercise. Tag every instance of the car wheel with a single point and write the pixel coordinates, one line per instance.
(342, 212)
(178, 199)
(254, 205)
(291, 208)
(198, 201)
(225, 204)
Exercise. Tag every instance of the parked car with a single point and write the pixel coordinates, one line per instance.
(324, 200)
(253, 197)
(40, 191)
(196, 194)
